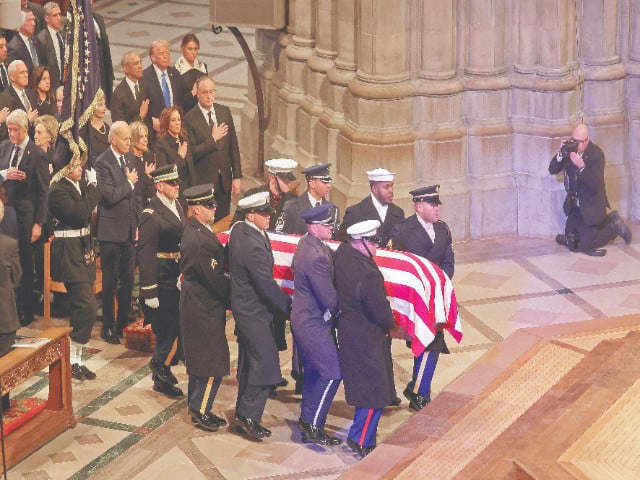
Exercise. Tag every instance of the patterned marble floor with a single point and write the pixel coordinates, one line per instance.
(127, 431)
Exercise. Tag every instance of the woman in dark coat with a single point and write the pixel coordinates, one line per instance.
(363, 325)
(41, 85)
(190, 68)
(145, 162)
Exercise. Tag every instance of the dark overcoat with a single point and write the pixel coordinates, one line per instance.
(204, 297)
(366, 210)
(314, 295)
(410, 236)
(276, 206)
(255, 296)
(72, 210)
(365, 319)
(10, 274)
(290, 221)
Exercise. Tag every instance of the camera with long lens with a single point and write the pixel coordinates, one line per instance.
(568, 146)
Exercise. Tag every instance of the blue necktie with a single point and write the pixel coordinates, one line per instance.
(165, 90)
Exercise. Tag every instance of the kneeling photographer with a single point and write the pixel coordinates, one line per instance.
(588, 227)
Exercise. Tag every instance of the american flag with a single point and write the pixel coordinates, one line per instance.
(420, 293)
(81, 86)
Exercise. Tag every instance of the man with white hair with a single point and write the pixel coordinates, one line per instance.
(117, 227)
(24, 45)
(23, 97)
(24, 174)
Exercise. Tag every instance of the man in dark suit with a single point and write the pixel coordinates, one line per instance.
(426, 235)
(318, 187)
(71, 202)
(588, 226)
(4, 75)
(164, 86)
(24, 173)
(104, 57)
(10, 273)
(117, 228)
(254, 297)
(23, 97)
(130, 101)
(377, 206)
(212, 136)
(315, 303)
(204, 299)
(52, 43)
(158, 255)
(25, 46)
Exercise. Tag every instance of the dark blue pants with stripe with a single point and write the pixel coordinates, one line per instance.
(424, 366)
(202, 392)
(317, 395)
(365, 426)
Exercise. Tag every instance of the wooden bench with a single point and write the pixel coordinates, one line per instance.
(21, 364)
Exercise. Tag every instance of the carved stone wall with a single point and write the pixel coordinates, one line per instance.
(472, 94)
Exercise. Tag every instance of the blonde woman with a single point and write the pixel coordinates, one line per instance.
(45, 136)
(145, 159)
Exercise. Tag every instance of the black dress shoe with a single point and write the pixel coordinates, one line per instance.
(323, 438)
(395, 401)
(204, 420)
(360, 450)
(167, 389)
(219, 420)
(570, 241)
(416, 402)
(162, 372)
(598, 252)
(77, 373)
(619, 227)
(88, 374)
(250, 427)
(282, 383)
(309, 432)
(109, 336)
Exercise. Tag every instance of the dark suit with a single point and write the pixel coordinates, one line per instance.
(17, 98)
(4, 83)
(10, 273)
(104, 56)
(124, 106)
(586, 217)
(160, 233)
(18, 50)
(7, 101)
(145, 185)
(254, 297)
(366, 210)
(215, 162)
(72, 259)
(29, 198)
(117, 224)
(290, 220)
(166, 150)
(49, 57)
(204, 297)
(156, 99)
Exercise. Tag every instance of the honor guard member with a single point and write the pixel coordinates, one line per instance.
(315, 303)
(364, 323)
(377, 206)
(159, 255)
(71, 202)
(281, 178)
(426, 235)
(254, 297)
(204, 297)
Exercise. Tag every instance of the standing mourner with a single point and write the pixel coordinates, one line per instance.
(71, 203)
(254, 297)
(10, 273)
(204, 298)
(588, 227)
(364, 323)
(426, 235)
(159, 255)
(315, 303)
(191, 68)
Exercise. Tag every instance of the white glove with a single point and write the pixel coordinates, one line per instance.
(91, 175)
(327, 315)
(152, 302)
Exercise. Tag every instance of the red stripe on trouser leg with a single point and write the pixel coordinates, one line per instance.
(365, 427)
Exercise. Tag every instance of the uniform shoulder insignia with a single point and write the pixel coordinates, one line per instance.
(148, 210)
(214, 262)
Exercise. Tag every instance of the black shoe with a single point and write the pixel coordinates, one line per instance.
(619, 227)
(599, 252)
(395, 401)
(219, 420)
(88, 374)
(324, 438)
(360, 450)
(204, 420)
(108, 335)
(309, 432)
(570, 241)
(250, 427)
(282, 383)
(167, 389)
(416, 402)
(162, 372)
(77, 373)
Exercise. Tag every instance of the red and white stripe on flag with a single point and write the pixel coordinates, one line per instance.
(420, 293)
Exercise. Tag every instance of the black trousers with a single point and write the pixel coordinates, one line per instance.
(83, 310)
(251, 398)
(26, 300)
(118, 263)
(590, 237)
(223, 199)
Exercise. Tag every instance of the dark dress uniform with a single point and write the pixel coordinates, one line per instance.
(204, 297)
(365, 319)
(410, 236)
(160, 231)
(365, 210)
(314, 303)
(72, 260)
(255, 295)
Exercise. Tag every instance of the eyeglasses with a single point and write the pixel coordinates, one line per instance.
(375, 239)
(579, 141)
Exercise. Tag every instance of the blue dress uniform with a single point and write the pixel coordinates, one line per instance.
(254, 296)
(411, 236)
(160, 232)
(315, 302)
(204, 297)
(365, 319)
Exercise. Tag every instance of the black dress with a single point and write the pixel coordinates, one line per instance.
(98, 142)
